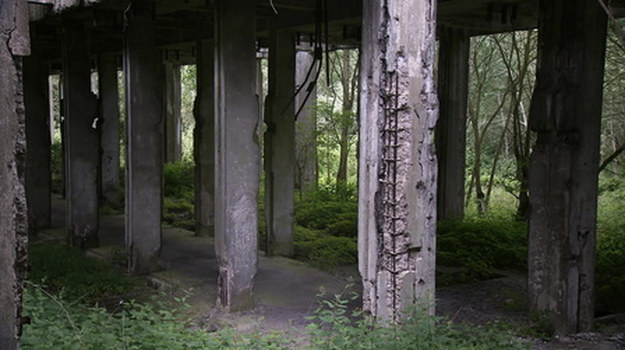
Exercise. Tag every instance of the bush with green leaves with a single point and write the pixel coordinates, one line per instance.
(323, 250)
(479, 245)
(62, 267)
(610, 275)
(336, 327)
(56, 323)
(178, 201)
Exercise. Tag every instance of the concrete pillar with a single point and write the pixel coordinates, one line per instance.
(81, 139)
(305, 124)
(453, 83)
(237, 155)
(13, 220)
(109, 115)
(280, 144)
(397, 179)
(38, 167)
(144, 145)
(204, 140)
(566, 115)
(172, 113)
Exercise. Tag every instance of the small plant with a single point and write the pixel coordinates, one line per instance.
(334, 327)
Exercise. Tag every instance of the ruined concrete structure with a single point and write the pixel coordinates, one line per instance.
(399, 110)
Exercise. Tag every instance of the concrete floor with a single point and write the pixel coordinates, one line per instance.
(286, 290)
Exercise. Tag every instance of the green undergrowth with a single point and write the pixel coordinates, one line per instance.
(56, 323)
(85, 279)
(178, 194)
(335, 326)
(326, 226)
(479, 246)
(610, 275)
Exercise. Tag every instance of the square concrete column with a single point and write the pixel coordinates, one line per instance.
(38, 168)
(237, 153)
(109, 139)
(453, 83)
(204, 140)
(14, 43)
(81, 138)
(280, 144)
(566, 115)
(144, 140)
(172, 103)
(306, 173)
(397, 179)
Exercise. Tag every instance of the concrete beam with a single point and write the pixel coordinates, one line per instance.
(81, 139)
(397, 179)
(237, 154)
(453, 83)
(280, 144)
(38, 167)
(172, 113)
(566, 115)
(204, 140)
(109, 139)
(144, 158)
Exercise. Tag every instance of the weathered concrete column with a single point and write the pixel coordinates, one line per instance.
(172, 112)
(566, 115)
(280, 144)
(109, 140)
(453, 83)
(14, 42)
(238, 153)
(81, 139)
(144, 158)
(204, 140)
(397, 183)
(306, 174)
(38, 170)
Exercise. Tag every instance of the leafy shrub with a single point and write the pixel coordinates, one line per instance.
(58, 324)
(610, 276)
(63, 267)
(329, 216)
(480, 245)
(335, 328)
(324, 251)
(56, 164)
(178, 179)
(178, 202)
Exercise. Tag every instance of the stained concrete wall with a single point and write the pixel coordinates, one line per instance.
(144, 128)
(397, 189)
(453, 83)
(14, 42)
(566, 115)
(306, 173)
(109, 137)
(204, 140)
(172, 104)
(81, 138)
(280, 144)
(38, 171)
(237, 154)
